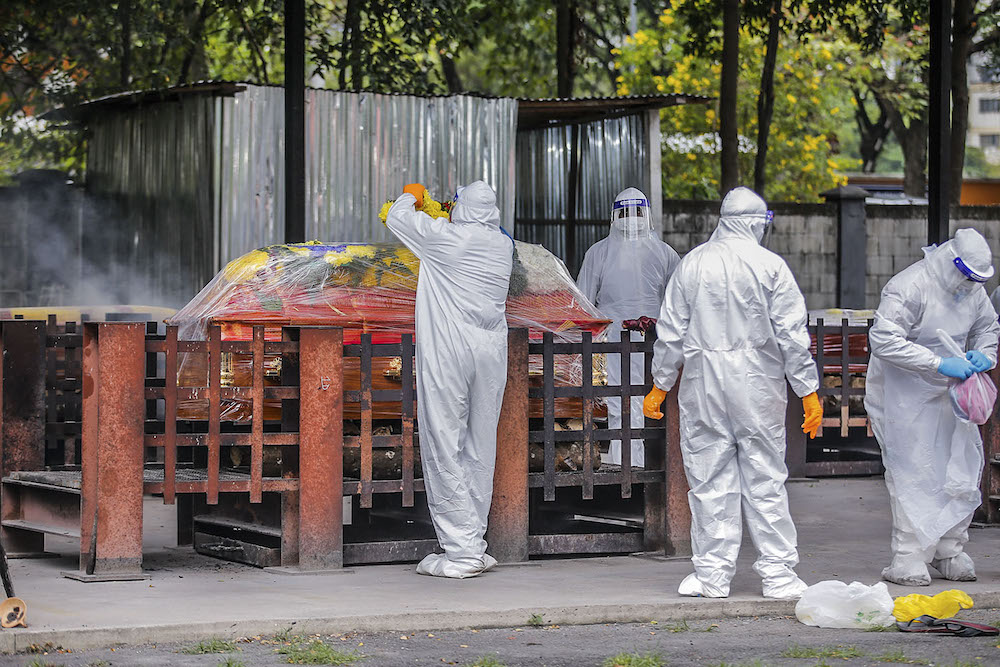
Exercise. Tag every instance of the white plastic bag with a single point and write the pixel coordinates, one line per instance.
(834, 604)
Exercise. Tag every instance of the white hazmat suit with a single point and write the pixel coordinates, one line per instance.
(735, 319)
(933, 460)
(461, 352)
(625, 276)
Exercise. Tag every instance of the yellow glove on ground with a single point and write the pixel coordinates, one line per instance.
(651, 404)
(814, 414)
(417, 191)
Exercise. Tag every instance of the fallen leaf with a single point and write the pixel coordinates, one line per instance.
(463, 646)
(430, 635)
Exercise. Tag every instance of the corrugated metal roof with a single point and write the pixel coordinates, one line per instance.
(532, 113)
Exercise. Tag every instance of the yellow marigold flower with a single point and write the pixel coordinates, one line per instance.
(692, 156)
(791, 98)
(710, 115)
(243, 268)
(831, 164)
(384, 213)
(641, 38)
(808, 166)
(826, 53)
(834, 111)
(667, 19)
(840, 67)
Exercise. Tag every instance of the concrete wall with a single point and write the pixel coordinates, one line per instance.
(806, 236)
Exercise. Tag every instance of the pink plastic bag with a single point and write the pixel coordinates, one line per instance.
(973, 399)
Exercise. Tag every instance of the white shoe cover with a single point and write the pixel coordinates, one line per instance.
(694, 588)
(489, 562)
(956, 568)
(438, 565)
(785, 587)
(907, 574)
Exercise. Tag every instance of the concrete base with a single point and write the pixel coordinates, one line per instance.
(11, 555)
(93, 578)
(294, 570)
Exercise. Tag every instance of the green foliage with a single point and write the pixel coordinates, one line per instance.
(897, 656)
(212, 646)
(38, 662)
(536, 620)
(810, 104)
(316, 652)
(842, 652)
(231, 662)
(486, 661)
(635, 660)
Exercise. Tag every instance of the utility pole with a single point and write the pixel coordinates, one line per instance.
(295, 122)
(939, 132)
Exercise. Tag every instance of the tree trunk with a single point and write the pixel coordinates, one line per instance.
(728, 131)
(565, 47)
(913, 140)
(451, 76)
(350, 46)
(765, 98)
(125, 18)
(873, 133)
(963, 30)
(197, 47)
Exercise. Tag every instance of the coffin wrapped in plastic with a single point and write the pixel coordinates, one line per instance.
(365, 288)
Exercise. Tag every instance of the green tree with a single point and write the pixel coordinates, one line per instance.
(809, 107)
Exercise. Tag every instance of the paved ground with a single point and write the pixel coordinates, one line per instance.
(843, 534)
(753, 642)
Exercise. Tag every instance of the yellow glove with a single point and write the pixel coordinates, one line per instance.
(417, 191)
(814, 414)
(651, 404)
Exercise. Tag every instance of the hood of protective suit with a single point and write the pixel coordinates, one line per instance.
(967, 249)
(743, 214)
(630, 215)
(476, 203)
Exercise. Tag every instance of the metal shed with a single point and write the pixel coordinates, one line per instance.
(197, 172)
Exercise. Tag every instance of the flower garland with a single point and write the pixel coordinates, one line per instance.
(431, 207)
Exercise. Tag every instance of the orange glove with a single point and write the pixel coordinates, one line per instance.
(652, 403)
(417, 191)
(814, 414)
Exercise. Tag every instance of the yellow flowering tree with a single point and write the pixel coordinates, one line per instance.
(812, 99)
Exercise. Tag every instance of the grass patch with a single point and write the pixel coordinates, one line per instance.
(756, 662)
(285, 636)
(317, 653)
(679, 627)
(634, 660)
(536, 621)
(38, 662)
(232, 662)
(881, 628)
(486, 661)
(211, 646)
(899, 657)
(842, 652)
(99, 663)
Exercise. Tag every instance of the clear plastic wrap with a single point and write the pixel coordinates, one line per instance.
(364, 288)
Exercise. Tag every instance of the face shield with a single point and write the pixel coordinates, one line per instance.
(765, 237)
(630, 218)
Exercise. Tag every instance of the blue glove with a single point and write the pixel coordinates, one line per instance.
(980, 362)
(956, 367)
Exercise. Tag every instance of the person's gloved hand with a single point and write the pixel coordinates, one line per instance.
(956, 367)
(651, 404)
(814, 414)
(980, 362)
(417, 190)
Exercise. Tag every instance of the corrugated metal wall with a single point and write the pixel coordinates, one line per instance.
(361, 148)
(613, 156)
(201, 181)
(151, 168)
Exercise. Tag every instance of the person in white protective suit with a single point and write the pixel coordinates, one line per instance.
(625, 276)
(735, 319)
(461, 352)
(933, 460)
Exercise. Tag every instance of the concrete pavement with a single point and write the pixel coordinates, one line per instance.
(843, 534)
